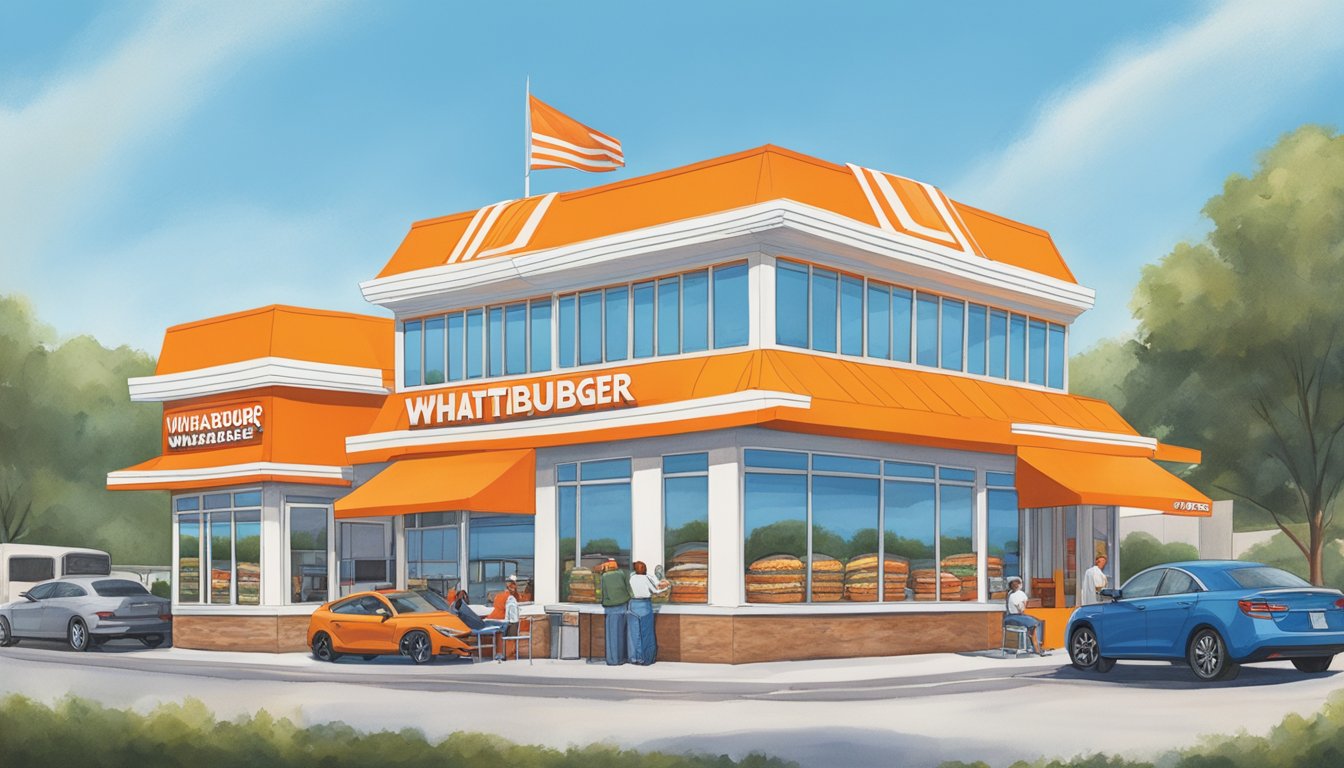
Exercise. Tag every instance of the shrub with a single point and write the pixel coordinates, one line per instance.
(1140, 550)
(161, 588)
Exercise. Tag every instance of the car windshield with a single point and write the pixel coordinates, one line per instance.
(119, 588)
(439, 602)
(410, 602)
(1264, 576)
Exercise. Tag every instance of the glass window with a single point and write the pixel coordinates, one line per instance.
(515, 339)
(247, 549)
(1257, 577)
(956, 522)
(901, 307)
(595, 524)
(926, 335)
(695, 311)
(1017, 348)
(686, 526)
(618, 323)
(953, 326)
(605, 469)
(475, 350)
(755, 457)
(998, 343)
(221, 557)
(824, 285)
(114, 588)
(1143, 585)
(540, 332)
(82, 564)
(790, 298)
(1003, 552)
(879, 321)
(495, 341)
(218, 500)
(1177, 583)
(732, 306)
(456, 353)
(187, 503)
(567, 473)
(669, 316)
(1036, 354)
(847, 464)
(189, 558)
(910, 525)
(1057, 355)
(644, 314)
(433, 541)
(1001, 479)
(956, 475)
(851, 315)
(23, 568)
(566, 332)
(590, 327)
(903, 469)
(844, 530)
(410, 355)
(500, 546)
(42, 591)
(775, 525)
(567, 500)
(309, 528)
(247, 499)
(435, 369)
(976, 320)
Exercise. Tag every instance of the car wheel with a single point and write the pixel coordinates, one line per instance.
(152, 641)
(1083, 648)
(416, 645)
(1312, 664)
(6, 638)
(323, 650)
(77, 634)
(369, 656)
(1208, 657)
(1104, 664)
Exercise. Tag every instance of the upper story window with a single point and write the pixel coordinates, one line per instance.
(829, 311)
(690, 312)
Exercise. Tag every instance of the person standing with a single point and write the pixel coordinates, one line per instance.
(615, 587)
(643, 639)
(1016, 615)
(1094, 580)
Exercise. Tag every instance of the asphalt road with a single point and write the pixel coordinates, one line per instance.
(912, 711)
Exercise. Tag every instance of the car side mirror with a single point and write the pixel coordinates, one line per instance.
(28, 597)
(383, 613)
(1114, 594)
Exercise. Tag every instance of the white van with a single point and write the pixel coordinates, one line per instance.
(24, 565)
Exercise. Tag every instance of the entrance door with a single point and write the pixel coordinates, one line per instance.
(367, 555)
(434, 551)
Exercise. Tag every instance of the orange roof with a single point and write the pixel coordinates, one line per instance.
(296, 333)
(722, 184)
(848, 399)
(489, 481)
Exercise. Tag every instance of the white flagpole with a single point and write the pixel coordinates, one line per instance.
(527, 138)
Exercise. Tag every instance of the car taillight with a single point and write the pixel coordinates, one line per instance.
(1260, 609)
(105, 614)
(1339, 603)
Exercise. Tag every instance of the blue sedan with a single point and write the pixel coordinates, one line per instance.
(1213, 614)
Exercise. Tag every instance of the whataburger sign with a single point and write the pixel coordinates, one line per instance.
(545, 398)
(218, 426)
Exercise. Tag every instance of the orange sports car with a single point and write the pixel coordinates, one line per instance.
(372, 624)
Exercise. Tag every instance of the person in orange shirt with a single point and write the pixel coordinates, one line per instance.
(498, 614)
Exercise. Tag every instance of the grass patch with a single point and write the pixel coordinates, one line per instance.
(80, 732)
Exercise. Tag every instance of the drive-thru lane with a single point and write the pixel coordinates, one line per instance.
(922, 709)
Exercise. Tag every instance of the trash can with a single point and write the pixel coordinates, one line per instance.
(564, 634)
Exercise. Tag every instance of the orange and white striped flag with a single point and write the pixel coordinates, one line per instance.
(560, 141)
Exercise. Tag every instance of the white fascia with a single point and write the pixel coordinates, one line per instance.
(1085, 436)
(739, 230)
(259, 372)
(229, 472)
(684, 410)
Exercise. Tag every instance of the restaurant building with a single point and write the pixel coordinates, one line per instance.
(831, 402)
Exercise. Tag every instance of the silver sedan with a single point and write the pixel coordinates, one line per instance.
(87, 611)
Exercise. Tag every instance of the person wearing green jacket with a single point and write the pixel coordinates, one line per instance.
(615, 586)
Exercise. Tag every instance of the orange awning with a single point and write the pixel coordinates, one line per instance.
(1049, 477)
(491, 481)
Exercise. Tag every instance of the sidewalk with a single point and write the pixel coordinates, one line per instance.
(778, 672)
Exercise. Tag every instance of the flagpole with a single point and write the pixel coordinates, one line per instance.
(527, 138)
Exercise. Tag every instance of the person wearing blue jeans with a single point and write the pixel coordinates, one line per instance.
(1016, 615)
(643, 639)
(616, 603)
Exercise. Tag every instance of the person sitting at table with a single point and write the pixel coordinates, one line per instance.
(1016, 616)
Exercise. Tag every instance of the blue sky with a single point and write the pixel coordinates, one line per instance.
(160, 163)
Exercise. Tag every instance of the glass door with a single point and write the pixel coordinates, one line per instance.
(367, 556)
(434, 551)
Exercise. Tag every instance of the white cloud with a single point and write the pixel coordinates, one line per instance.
(55, 148)
(1156, 109)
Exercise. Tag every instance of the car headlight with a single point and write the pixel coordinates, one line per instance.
(446, 632)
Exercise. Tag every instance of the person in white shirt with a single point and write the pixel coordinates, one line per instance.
(640, 628)
(1094, 580)
(1016, 615)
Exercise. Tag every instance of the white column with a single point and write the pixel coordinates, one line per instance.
(725, 527)
(546, 529)
(399, 544)
(761, 295)
(177, 554)
(981, 536)
(646, 500)
(274, 578)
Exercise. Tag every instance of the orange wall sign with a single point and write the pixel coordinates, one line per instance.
(512, 401)
(213, 427)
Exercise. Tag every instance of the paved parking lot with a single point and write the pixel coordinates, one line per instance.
(920, 709)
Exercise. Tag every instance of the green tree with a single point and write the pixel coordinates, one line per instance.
(15, 506)
(1140, 550)
(66, 420)
(1240, 346)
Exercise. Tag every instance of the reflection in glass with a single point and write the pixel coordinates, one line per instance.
(1057, 356)
(540, 332)
(644, 328)
(189, 558)
(1003, 544)
(731, 306)
(686, 535)
(909, 510)
(901, 301)
(926, 335)
(500, 546)
(434, 351)
(998, 343)
(775, 525)
(590, 327)
(515, 339)
(695, 311)
(975, 338)
(824, 284)
(618, 323)
(844, 527)
(410, 354)
(495, 341)
(1036, 355)
(953, 327)
(790, 300)
(1017, 348)
(308, 554)
(475, 350)
(669, 316)
(455, 351)
(566, 332)
(879, 321)
(221, 558)
(956, 516)
(247, 527)
(568, 502)
(851, 315)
